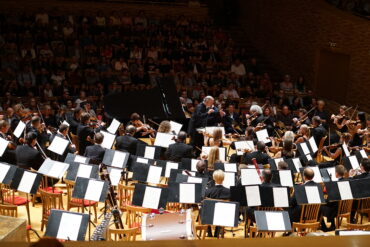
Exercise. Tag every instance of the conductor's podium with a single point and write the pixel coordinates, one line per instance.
(12, 229)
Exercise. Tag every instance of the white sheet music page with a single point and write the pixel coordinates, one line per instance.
(317, 176)
(206, 150)
(69, 226)
(154, 174)
(115, 176)
(94, 190)
(305, 148)
(253, 195)
(142, 160)
(346, 150)
(149, 152)
(176, 127)
(331, 172)
(309, 157)
(263, 136)
(80, 159)
(27, 181)
(108, 140)
(113, 127)
(169, 166)
(345, 190)
(229, 179)
(281, 199)
(275, 221)
(194, 180)
(164, 140)
(286, 178)
(230, 167)
(354, 162)
(57, 169)
(118, 159)
(250, 177)
(4, 168)
(58, 145)
(277, 160)
(19, 129)
(313, 145)
(297, 163)
(84, 171)
(187, 193)
(363, 154)
(240, 146)
(313, 195)
(222, 152)
(3, 145)
(224, 214)
(152, 197)
(66, 123)
(194, 165)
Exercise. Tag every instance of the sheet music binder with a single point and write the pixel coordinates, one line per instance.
(116, 158)
(361, 154)
(294, 164)
(73, 170)
(190, 164)
(303, 148)
(360, 188)
(174, 192)
(7, 173)
(272, 221)
(115, 175)
(301, 196)
(226, 167)
(282, 177)
(53, 169)
(351, 162)
(328, 174)
(274, 163)
(167, 166)
(334, 193)
(212, 213)
(133, 159)
(77, 159)
(139, 194)
(141, 172)
(141, 148)
(81, 187)
(54, 225)
(19, 180)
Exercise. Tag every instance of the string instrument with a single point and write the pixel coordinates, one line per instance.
(332, 146)
(275, 149)
(145, 127)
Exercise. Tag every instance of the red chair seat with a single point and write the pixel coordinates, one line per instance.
(53, 190)
(86, 202)
(18, 200)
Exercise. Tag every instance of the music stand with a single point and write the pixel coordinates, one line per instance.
(338, 191)
(148, 152)
(149, 196)
(189, 193)
(220, 213)
(3, 146)
(167, 166)
(309, 194)
(282, 177)
(351, 162)
(58, 145)
(147, 173)
(116, 158)
(190, 164)
(294, 164)
(249, 176)
(360, 187)
(7, 172)
(72, 158)
(274, 163)
(108, 140)
(226, 167)
(164, 140)
(268, 221)
(82, 170)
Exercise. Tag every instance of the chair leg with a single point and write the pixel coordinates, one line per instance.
(28, 213)
(95, 212)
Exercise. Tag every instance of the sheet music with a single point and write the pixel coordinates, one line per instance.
(152, 197)
(345, 190)
(57, 169)
(313, 145)
(331, 172)
(69, 226)
(250, 177)
(142, 160)
(313, 195)
(277, 160)
(309, 157)
(354, 162)
(281, 199)
(80, 159)
(187, 193)
(222, 152)
(108, 140)
(84, 171)
(297, 163)
(154, 174)
(242, 145)
(229, 179)
(317, 176)
(286, 178)
(194, 180)
(230, 167)
(176, 127)
(169, 166)
(346, 150)
(94, 190)
(66, 123)
(363, 154)
(27, 181)
(58, 145)
(194, 165)
(275, 221)
(164, 139)
(3, 171)
(224, 214)
(115, 176)
(3, 145)
(118, 159)
(305, 148)
(253, 196)
(149, 152)
(19, 129)
(262, 135)
(113, 126)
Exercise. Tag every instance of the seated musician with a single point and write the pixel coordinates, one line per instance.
(40, 130)
(164, 127)
(62, 133)
(214, 140)
(255, 116)
(335, 151)
(287, 152)
(365, 170)
(282, 165)
(9, 153)
(128, 142)
(285, 117)
(341, 119)
(142, 130)
(213, 157)
(231, 121)
(330, 209)
(249, 136)
(260, 155)
(202, 169)
(74, 120)
(180, 149)
(303, 134)
(269, 119)
(85, 133)
(96, 152)
(27, 155)
(318, 131)
(322, 113)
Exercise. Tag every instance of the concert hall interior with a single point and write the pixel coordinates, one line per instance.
(245, 121)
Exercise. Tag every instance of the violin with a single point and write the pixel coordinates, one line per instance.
(335, 145)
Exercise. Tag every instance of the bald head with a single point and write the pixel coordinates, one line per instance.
(131, 130)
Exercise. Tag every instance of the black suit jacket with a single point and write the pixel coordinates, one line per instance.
(318, 133)
(218, 192)
(95, 153)
(227, 120)
(127, 143)
(28, 157)
(179, 150)
(73, 124)
(363, 175)
(262, 158)
(83, 131)
(201, 118)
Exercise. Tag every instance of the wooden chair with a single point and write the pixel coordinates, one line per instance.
(344, 211)
(49, 201)
(77, 203)
(8, 210)
(303, 228)
(201, 231)
(363, 208)
(44, 186)
(125, 193)
(134, 215)
(308, 219)
(253, 233)
(249, 227)
(360, 227)
(123, 234)
(8, 197)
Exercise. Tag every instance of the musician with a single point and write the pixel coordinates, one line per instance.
(40, 130)
(180, 149)
(335, 151)
(205, 114)
(62, 132)
(213, 157)
(303, 133)
(357, 128)
(9, 153)
(282, 166)
(301, 119)
(231, 121)
(49, 117)
(318, 131)
(255, 116)
(202, 170)
(215, 140)
(128, 142)
(74, 120)
(340, 119)
(286, 117)
(27, 155)
(260, 155)
(164, 127)
(17, 116)
(322, 113)
(96, 152)
(287, 152)
(85, 133)
(269, 119)
(142, 130)
(365, 170)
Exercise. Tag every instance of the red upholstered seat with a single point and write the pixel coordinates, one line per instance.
(55, 191)
(18, 200)
(86, 202)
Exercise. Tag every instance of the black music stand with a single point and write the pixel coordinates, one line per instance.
(268, 221)
(220, 213)
(189, 193)
(150, 196)
(226, 167)
(147, 151)
(309, 194)
(7, 172)
(282, 177)
(147, 173)
(338, 191)
(82, 170)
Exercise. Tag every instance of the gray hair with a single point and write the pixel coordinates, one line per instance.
(289, 135)
(256, 108)
(207, 98)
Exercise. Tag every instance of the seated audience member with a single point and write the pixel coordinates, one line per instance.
(96, 152)
(180, 149)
